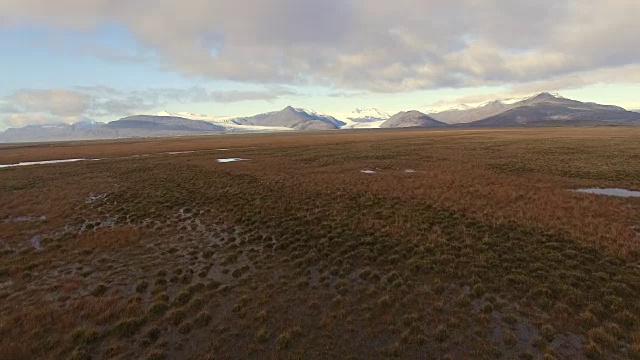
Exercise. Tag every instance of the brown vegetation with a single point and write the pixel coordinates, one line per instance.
(481, 251)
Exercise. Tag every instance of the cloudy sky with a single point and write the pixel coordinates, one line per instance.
(69, 60)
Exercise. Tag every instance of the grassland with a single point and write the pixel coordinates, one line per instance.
(479, 251)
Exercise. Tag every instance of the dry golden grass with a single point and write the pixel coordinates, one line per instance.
(482, 251)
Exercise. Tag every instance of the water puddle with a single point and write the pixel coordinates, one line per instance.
(36, 242)
(44, 162)
(179, 152)
(610, 192)
(228, 160)
(135, 156)
(28, 163)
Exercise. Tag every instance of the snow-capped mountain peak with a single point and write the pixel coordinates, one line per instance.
(368, 113)
(496, 102)
(195, 116)
(511, 101)
(308, 111)
(459, 107)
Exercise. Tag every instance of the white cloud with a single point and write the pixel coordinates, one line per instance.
(268, 94)
(375, 45)
(628, 74)
(57, 102)
(20, 120)
(351, 47)
(59, 105)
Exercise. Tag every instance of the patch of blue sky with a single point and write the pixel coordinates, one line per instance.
(39, 57)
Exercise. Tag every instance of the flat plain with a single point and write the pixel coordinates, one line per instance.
(351, 244)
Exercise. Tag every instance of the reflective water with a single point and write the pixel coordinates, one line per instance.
(28, 163)
(610, 192)
(179, 152)
(228, 160)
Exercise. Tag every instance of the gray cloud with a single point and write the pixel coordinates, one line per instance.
(6, 108)
(375, 45)
(108, 101)
(622, 74)
(41, 106)
(59, 105)
(346, 94)
(123, 106)
(19, 120)
(269, 94)
(57, 102)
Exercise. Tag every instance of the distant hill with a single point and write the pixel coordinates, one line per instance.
(467, 114)
(56, 132)
(168, 124)
(411, 119)
(298, 119)
(543, 109)
(163, 123)
(544, 98)
(129, 127)
(547, 109)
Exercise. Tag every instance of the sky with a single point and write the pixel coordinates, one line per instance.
(100, 60)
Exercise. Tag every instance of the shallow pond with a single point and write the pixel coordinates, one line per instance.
(610, 192)
(228, 160)
(27, 163)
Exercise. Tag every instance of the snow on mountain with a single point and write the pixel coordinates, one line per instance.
(298, 119)
(466, 113)
(511, 101)
(87, 124)
(365, 118)
(548, 109)
(350, 124)
(308, 111)
(460, 107)
(503, 101)
(194, 116)
(228, 122)
(369, 114)
(324, 117)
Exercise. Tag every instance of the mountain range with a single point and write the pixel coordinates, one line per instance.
(543, 109)
(408, 119)
(162, 123)
(546, 111)
(131, 127)
(540, 109)
(297, 119)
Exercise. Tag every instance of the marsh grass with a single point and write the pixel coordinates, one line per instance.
(481, 251)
